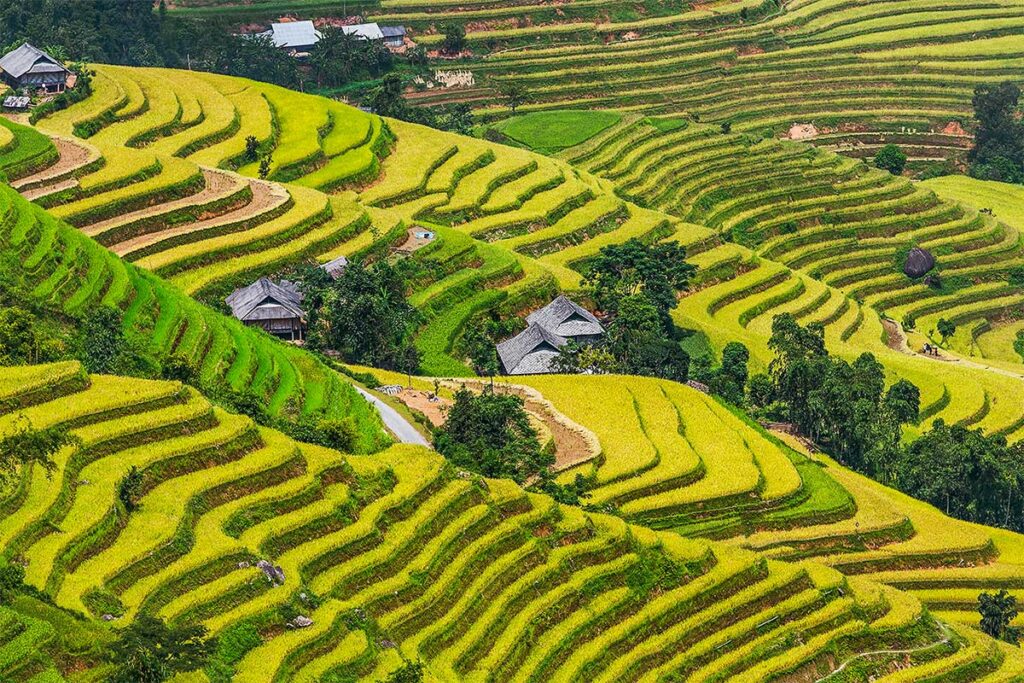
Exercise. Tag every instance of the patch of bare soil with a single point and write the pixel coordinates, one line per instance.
(435, 408)
(954, 128)
(802, 131)
(72, 157)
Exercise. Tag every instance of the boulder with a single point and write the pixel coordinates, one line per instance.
(919, 261)
(301, 621)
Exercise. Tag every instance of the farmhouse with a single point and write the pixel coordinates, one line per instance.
(533, 351)
(276, 308)
(30, 67)
(364, 31)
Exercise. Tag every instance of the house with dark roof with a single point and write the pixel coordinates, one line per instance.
(30, 67)
(533, 351)
(274, 307)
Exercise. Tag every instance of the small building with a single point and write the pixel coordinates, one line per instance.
(15, 102)
(394, 36)
(276, 308)
(364, 31)
(335, 267)
(533, 351)
(30, 67)
(295, 36)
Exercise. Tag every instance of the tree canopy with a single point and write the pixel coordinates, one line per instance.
(490, 433)
(998, 152)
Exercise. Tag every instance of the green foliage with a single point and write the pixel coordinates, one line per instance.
(490, 433)
(729, 380)
(264, 169)
(639, 343)
(129, 490)
(998, 610)
(998, 152)
(454, 38)
(659, 270)
(340, 58)
(252, 148)
(103, 342)
(909, 321)
(409, 672)
(151, 652)
(339, 434)
(654, 571)
(892, 159)
(12, 578)
(967, 475)
(25, 446)
(232, 645)
(946, 328)
(514, 95)
(363, 315)
(1018, 343)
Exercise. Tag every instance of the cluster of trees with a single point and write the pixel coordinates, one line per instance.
(847, 409)
(636, 284)
(998, 152)
(892, 159)
(363, 315)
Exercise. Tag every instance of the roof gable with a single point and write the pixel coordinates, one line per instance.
(294, 34)
(531, 351)
(566, 318)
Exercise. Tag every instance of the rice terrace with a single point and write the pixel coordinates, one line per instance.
(511, 340)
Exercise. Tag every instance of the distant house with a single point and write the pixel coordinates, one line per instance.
(30, 67)
(533, 351)
(335, 267)
(364, 31)
(296, 36)
(276, 308)
(394, 36)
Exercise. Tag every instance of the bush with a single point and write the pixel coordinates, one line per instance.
(892, 159)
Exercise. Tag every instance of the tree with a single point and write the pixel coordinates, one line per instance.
(340, 434)
(454, 38)
(998, 152)
(479, 346)
(409, 672)
(892, 159)
(591, 359)
(622, 270)
(639, 343)
(264, 171)
(103, 342)
(997, 611)
(149, 651)
(515, 96)
(25, 446)
(731, 378)
(364, 316)
(904, 399)
(252, 148)
(490, 433)
(946, 328)
(129, 491)
(386, 99)
(19, 344)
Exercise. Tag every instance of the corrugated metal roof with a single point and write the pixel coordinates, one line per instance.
(266, 300)
(364, 31)
(29, 58)
(392, 31)
(566, 318)
(294, 34)
(531, 352)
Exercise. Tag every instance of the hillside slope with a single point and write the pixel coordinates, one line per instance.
(813, 233)
(398, 556)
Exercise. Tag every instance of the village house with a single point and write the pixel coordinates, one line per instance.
(394, 36)
(30, 68)
(276, 308)
(533, 351)
(335, 267)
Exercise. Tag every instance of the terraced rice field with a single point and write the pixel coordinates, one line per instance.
(58, 268)
(863, 73)
(397, 557)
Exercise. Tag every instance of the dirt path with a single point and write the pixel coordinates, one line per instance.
(863, 655)
(896, 339)
(73, 156)
(265, 197)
